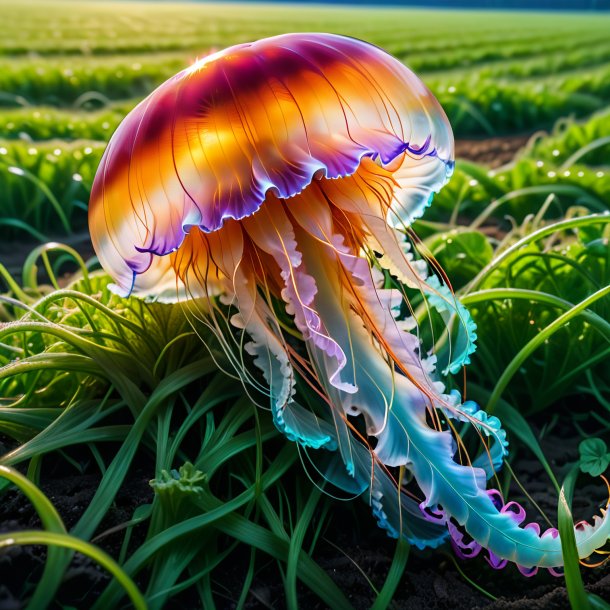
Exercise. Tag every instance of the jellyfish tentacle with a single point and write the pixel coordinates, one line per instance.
(369, 195)
(447, 304)
(492, 458)
(272, 231)
(267, 346)
(271, 357)
(395, 409)
(460, 490)
(314, 218)
(396, 511)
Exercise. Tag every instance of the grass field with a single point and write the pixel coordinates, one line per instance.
(110, 389)
(71, 78)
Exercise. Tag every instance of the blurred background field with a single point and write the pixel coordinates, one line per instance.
(71, 72)
(522, 231)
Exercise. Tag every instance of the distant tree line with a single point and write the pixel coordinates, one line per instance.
(554, 5)
(557, 5)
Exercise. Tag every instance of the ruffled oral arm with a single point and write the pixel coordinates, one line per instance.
(406, 439)
(271, 357)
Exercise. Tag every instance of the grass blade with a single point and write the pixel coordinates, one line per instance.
(80, 546)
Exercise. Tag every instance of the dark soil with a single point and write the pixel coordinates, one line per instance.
(431, 580)
(492, 152)
(14, 253)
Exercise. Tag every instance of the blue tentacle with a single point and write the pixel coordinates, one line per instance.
(449, 306)
(460, 493)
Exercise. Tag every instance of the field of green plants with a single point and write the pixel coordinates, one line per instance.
(146, 472)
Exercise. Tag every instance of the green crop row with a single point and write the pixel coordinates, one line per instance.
(490, 108)
(454, 41)
(76, 81)
(524, 188)
(575, 142)
(94, 27)
(44, 187)
(474, 107)
(581, 52)
(543, 64)
(45, 123)
(487, 107)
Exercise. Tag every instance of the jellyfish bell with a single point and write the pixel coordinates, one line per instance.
(277, 179)
(256, 119)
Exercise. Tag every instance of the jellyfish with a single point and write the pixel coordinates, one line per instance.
(272, 187)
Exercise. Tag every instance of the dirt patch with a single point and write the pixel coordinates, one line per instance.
(14, 253)
(493, 152)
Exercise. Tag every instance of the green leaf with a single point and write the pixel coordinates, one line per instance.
(594, 456)
(571, 565)
(462, 254)
(81, 546)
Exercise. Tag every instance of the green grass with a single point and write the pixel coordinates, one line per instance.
(85, 373)
(584, 142)
(73, 81)
(44, 187)
(540, 283)
(111, 359)
(44, 184)
(35, 123)
(136, 376)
